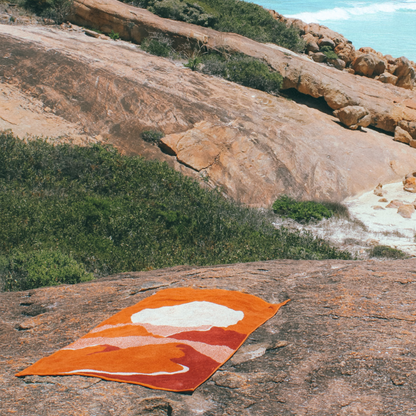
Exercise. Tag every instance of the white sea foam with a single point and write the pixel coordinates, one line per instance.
(346, 13)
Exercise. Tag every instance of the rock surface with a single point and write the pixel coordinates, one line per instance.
(260, 145)
(343, 345)
(338, 88)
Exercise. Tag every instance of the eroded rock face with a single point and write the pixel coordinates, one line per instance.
(401, 135)
(353, 116)
(368, 65)
(253, 145)
(327, 352)
(337, 87)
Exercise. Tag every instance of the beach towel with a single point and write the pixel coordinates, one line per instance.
(173, 340)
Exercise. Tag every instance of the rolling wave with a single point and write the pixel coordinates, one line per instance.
(346, 13)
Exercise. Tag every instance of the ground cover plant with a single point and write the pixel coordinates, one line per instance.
(387, 252)
(103, 213)
(301, 211)
(236, 16)
(235, 67)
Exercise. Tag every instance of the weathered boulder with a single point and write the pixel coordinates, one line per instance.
(378, 190)
(311, 43)
(324, 41)
(387, 78)
(401, 135)
(409, 127)
(319, 57)
(337, 63)
(409, 184)
(342, 346)
(368, 65)
(354, 116)
(346, 52)
(405, 73)
(406, 210)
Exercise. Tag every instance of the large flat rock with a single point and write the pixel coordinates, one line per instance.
(343, 345)
(253, 145)
(386, 103)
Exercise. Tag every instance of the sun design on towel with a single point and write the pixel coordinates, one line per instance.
(173, 340)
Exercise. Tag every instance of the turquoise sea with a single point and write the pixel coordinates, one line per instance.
(387, 26)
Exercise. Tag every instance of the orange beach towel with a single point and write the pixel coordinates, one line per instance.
(173, 340)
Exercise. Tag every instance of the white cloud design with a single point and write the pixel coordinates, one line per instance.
(189, 315)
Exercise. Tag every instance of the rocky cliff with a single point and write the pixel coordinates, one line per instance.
(343, 345)
(253, 145)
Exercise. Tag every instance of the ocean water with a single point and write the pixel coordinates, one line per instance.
(386, 26)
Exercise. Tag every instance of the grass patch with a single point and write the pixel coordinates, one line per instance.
(23, 271)
(328, 52)
(158, 45)
(112, 213)
(152, 136)
(301, 211)
(387, 252)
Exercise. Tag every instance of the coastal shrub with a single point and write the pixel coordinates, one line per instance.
(112, 213)
(387, 252)
(179, 10)
(252, 73)
(300, 211)
(113, 35)
(152, 136)
(58, 10)
(242, 69)
(236, 16)
(158, 45)
(23, 271)
(328, 52)
(193, 63)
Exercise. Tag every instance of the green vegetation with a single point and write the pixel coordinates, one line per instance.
(105, 213)
(152, 136)
(236, 67)
(301, 211)
(387, 252)
(246, 19)
(328, 52)
(158, 45)
(23, 271)
(179, 10)
(113, 35)
(58, 10)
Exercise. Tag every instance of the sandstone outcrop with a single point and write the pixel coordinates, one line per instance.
(338, 88)
(372, 64)
(409, 183)
(401, 135)
(260, 146)
(353, 116)
(368, 65)
(343, 345)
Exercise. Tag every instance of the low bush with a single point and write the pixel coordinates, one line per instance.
(58, 10)
(328, 52)
(152, 136)
(158, 45)
(113, 35)
(252, 73)
(300, 211)
(113, 213)
(387, 252)
(180, 10)
(246, 19)
(23, 271)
